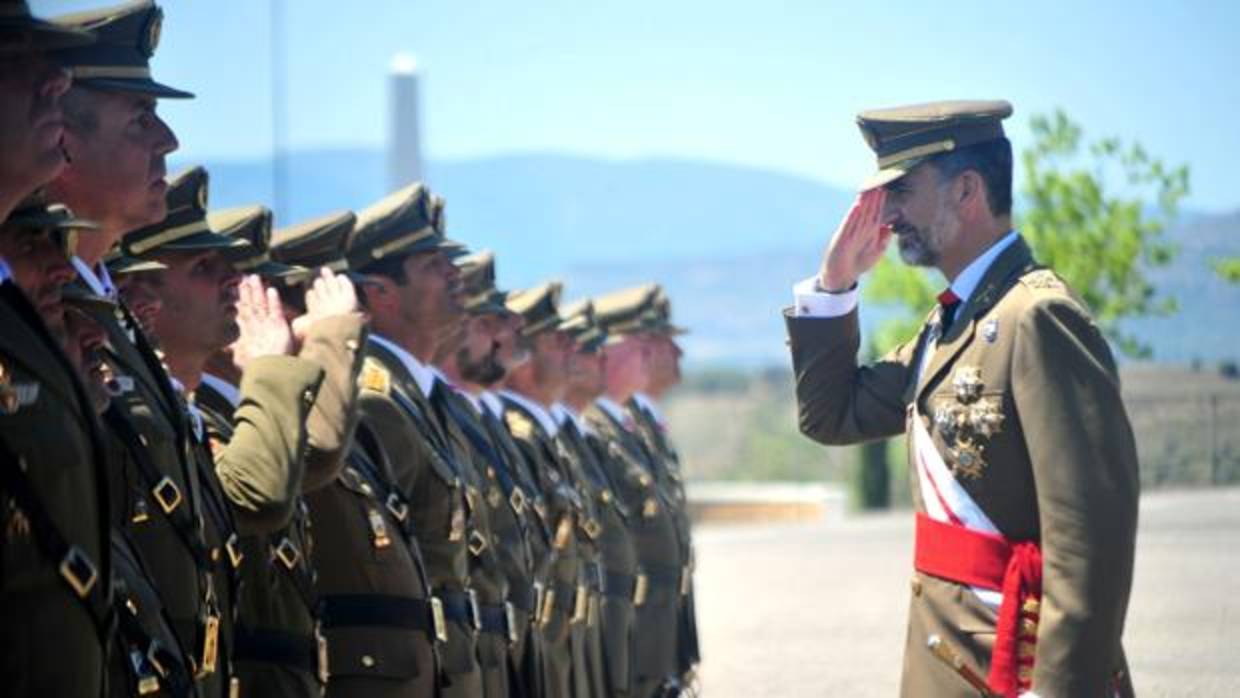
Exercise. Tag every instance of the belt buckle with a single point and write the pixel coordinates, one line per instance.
(210, 644)
(548, 606)
(477, 543)
(398, 508)
(320, 642)
(517, 500)
(167, 494)
(580, 603)
(686, 580)
(287, 553)
(592, 528)
(233, 547)
(148, 682)
(510, 618)
(475, 611)
(640, 587)
(78, 571)
(536, 613)
(438, 620)
(378, 529)
(592, 611)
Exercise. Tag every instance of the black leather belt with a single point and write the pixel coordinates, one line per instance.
(276, 647)
(456, 607)
(493, 619)
(593, 574)
(619, 585)
(522, 598)
(344, 610)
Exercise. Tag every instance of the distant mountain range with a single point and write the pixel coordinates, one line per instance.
(727, 241)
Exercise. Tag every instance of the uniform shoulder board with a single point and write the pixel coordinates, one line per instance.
(520, 425)
(375, 377)
(1043, 279)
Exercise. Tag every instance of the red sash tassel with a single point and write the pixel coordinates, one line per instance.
(989, 561)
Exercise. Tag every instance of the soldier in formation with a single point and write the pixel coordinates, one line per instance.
(330, 458)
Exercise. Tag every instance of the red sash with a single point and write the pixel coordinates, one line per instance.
(984, 560)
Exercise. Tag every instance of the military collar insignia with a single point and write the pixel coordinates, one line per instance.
(375, 377)
(990, 330)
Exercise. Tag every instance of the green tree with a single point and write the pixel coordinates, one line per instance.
(1228, 269)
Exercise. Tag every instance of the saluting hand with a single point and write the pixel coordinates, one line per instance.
(264, 331)
(858, 243)
(330, 295)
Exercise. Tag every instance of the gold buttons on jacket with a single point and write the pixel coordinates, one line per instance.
(368, 661)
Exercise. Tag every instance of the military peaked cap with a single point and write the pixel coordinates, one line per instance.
(478, 281)
(185, 227)
(251, 224)
(19, 31)
(577, 319)
(120, 58)
(537, 306)
(628, 311)
(315, 243)
(402, 223)
(904, 137)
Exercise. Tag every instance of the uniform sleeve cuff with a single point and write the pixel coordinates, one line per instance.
(810, 301)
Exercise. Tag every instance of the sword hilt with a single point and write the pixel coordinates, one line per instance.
(949, 656)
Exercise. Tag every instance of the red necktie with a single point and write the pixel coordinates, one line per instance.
(949, 302)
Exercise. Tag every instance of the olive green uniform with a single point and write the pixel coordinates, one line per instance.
(611, 614)
(563, 643)
(652, 525)
(406, 428)
(671, 480)
(52, 452)
(1060, 468)
(279, 649)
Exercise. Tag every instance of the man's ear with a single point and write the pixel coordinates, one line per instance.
(970, 192)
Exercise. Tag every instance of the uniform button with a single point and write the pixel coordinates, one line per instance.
(308, 397)
(368, 661)
(915, 583)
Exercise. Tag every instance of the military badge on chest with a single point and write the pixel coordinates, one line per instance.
(966, 421)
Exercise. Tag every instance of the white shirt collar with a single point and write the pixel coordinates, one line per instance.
(540, 413)
(6, 272)
(616, 411)
(647, 403)
(473, 400)
(422, 374)
(967, 280)
(493, 404)
(224, 388)
(97, 278)
(564, 412)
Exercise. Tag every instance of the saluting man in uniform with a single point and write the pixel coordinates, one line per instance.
(1022, 459)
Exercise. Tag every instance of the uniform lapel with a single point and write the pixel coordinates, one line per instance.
(1013, 261)
(32, 346)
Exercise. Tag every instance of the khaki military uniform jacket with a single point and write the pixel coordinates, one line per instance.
(656, 540)
(671, 480)
(617, 560)
(278, 648)
(51, 442)
(563, 654)
(422, 458)
(1045, 450)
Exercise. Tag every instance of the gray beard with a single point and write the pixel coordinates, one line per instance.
(915, 251)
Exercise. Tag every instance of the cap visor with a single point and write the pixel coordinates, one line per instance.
(143, 86)
(202, 241)
(276, 270)
(43, 219)
(883, 177)
(132, 265)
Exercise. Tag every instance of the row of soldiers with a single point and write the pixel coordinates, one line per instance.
(333, 458)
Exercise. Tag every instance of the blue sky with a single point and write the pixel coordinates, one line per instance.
(773, 85)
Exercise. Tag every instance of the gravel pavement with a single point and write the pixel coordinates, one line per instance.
(818, 609)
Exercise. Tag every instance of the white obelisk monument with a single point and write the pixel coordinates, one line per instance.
(404, 155)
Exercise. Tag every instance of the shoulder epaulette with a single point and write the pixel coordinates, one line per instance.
(521, 426)
(1043, 279)
(375, 377)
